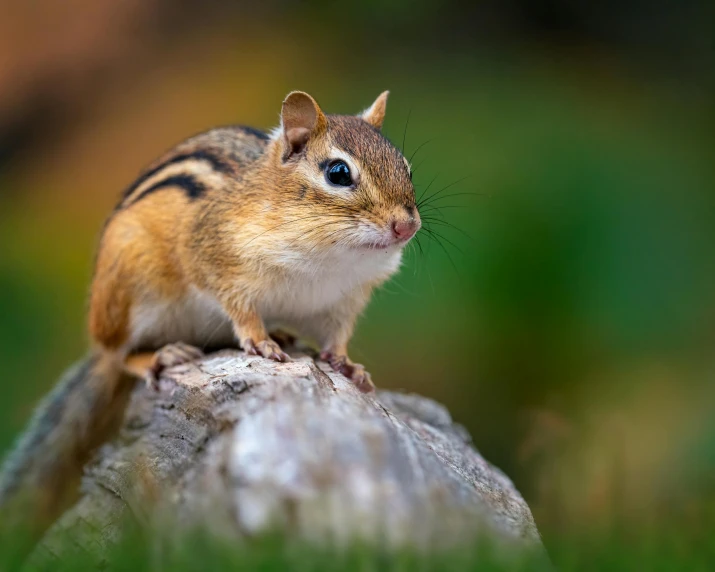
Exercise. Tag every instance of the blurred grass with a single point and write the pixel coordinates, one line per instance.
(572, 333)
(624, 551)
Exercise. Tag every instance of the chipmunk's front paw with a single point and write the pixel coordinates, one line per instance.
(355, 372)
(169, 356)
(266, 348)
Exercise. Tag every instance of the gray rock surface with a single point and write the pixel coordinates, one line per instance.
(241, 445)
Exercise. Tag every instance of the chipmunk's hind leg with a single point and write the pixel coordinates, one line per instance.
(149, 365)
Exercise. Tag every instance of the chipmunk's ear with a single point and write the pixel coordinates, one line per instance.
(301, 118)
(375, 114)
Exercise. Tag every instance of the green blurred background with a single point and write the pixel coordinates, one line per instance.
(572, 331)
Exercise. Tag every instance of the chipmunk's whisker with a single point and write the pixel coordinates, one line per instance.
(299, 219)
(414, 153)
(432, 197)
(441, 222)
(422, 194)
(404, 133)
(438, 239)
(414, 169)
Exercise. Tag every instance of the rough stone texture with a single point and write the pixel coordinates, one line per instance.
(242, 445)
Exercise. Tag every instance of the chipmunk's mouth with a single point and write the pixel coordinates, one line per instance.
(378, 245)
(384, 244)
(397, 237)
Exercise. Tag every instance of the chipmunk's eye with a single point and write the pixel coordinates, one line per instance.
(338, 173)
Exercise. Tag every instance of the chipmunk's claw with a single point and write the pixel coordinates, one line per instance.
(266, 348)
(355, 372)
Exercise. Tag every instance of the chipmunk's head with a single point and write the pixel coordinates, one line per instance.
(357, 184)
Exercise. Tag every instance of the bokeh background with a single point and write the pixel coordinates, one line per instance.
(568, 321)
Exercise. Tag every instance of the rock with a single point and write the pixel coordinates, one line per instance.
(241, 445)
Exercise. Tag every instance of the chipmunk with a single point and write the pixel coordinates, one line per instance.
(227, 235)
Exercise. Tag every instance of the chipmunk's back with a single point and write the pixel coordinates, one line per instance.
(223, 150)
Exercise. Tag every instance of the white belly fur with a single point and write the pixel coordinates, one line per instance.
(316, 288)
(198, 318)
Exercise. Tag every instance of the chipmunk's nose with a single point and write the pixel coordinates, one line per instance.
(404, 229)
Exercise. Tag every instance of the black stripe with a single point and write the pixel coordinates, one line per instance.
(191, 186)
(253, 131)
(215, 162)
